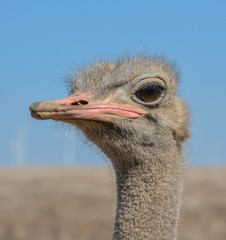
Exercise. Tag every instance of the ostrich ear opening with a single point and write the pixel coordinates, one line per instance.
(181, 131)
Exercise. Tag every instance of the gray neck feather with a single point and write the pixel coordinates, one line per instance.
(149, 198)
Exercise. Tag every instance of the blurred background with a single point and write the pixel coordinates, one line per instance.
(48, 172)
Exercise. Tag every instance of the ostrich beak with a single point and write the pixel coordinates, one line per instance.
(82, 106)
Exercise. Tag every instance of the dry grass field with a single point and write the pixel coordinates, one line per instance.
(79, 203)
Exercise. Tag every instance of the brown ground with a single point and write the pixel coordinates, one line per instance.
(66, 204)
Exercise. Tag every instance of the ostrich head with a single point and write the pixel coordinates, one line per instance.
(122, 106)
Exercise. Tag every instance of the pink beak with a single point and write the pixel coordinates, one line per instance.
(82, 106)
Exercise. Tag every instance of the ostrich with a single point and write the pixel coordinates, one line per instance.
(131, 110)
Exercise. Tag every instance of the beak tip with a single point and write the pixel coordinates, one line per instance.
(34, 109)
(34, 106)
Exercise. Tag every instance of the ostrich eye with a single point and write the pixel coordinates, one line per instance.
(149, 94)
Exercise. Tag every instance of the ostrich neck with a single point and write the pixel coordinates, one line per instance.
(149, 197)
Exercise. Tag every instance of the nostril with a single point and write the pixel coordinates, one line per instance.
(74, 103)
(83, 102)
(80, 102)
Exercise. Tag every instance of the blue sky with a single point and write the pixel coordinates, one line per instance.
(41, 40)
